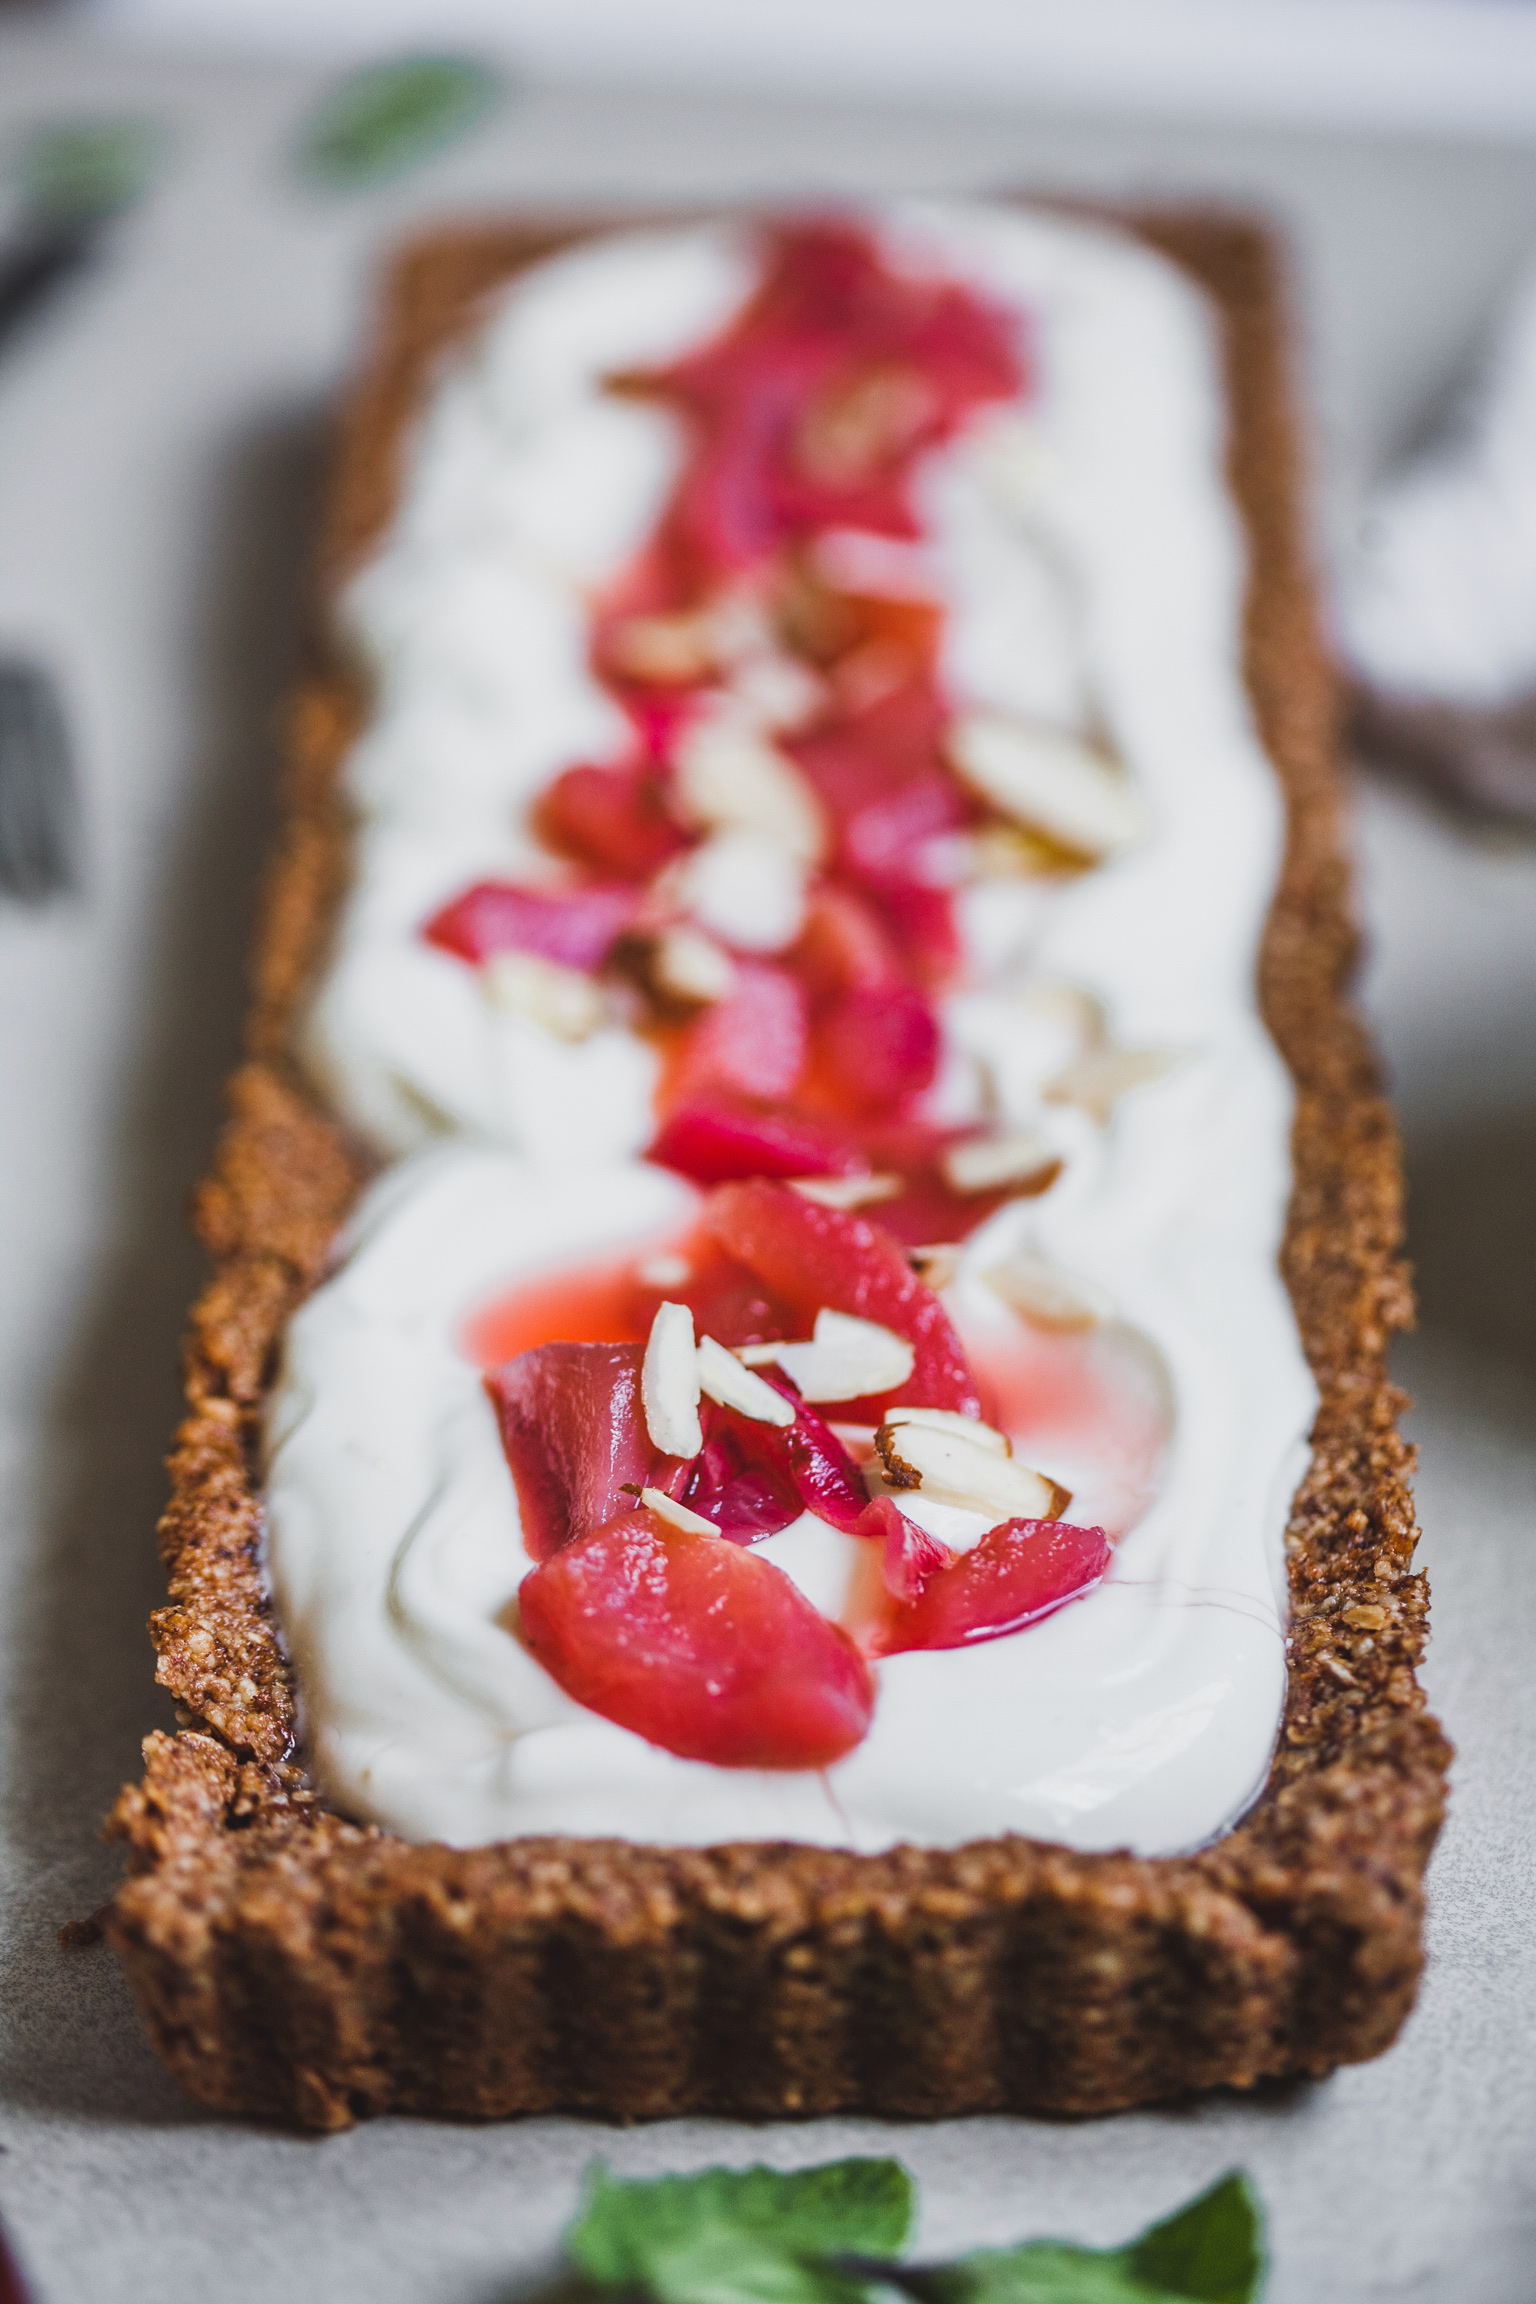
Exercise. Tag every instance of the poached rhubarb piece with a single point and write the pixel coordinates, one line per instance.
(1020, 1571)
(574, 1437)
(577, 927)
(613, 820)
(719, 1143)
(697, 1645)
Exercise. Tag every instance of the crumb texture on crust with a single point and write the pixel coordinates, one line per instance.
(293, 1965)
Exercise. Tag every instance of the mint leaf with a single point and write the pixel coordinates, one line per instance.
(387, 118)
(741, 2236)
(1212, 2251)
(77, 169)
(1040, 2272)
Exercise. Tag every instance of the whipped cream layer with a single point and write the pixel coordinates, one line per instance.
(1089, 555)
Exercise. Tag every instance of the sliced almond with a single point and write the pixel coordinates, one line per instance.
(847, 1191)
(777, 691)
(667, 1507)
(671, 650)
(733, 778)
(724, 1378)
(669, 1383)
(1046, 1296)
(1049, 782)
(691, 968)
(967, 1428)
(935, 1263)
(952, 1470)
(846, 1359)
(747, 887)
(566, 1003)
(1019, 1162)
(1097, 1081)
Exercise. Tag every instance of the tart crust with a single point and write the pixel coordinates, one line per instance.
(291, 1964)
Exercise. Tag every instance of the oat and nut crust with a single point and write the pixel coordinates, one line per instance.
(291, 1964)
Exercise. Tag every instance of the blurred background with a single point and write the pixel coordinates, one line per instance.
(196, 197)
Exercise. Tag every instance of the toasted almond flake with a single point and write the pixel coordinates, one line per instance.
(690, 967)
(1366, 1616)
(731, 777)
(725, 1379)
(670, 649)
(663, 1272)
(667, 1507)
(847, 1191)
(562, 1000)
(955, 1470)
(935, 1263)
(1097, 1081)
(777, 691)
(1020, 1161)
(669, 1383)
(747, 887)
(846, 1359)
(1049, 782)
(1009, 852)
(967, 1428)
(1046, 1296)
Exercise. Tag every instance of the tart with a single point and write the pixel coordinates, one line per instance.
(709, 1691)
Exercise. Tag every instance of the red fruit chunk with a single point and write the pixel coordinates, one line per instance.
(717, 1143)
(752, 1043)
(880, 1045)
(842, 945)
(921, 921)
(698, 1646)
(812, 1457)
(1020, 1571)
(575, 926)
(880, 838)
(911, 1555)
(613, 819)
(808, 1256)
(734, 1484)
(574, 1434)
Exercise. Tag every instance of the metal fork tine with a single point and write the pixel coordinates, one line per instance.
(39, 810)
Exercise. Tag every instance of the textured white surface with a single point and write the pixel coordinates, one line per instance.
(156, 477)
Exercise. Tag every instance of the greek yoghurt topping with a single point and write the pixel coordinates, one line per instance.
(868, 830)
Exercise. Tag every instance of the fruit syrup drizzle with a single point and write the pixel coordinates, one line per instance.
(781, 590)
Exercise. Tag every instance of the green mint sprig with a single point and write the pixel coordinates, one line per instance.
(747, 2236)
(388, 117)
(833, 2235)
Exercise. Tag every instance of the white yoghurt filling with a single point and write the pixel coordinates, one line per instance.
(1090, 558)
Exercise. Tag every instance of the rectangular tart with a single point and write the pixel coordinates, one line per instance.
(294, 1964)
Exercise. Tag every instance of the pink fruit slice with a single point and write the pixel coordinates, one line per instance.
(880, 1044)
(737, 1484)
(574, 1435)
(1020, 1571)
(613, 819)
(751, 1044)
(808, 1256)
(910, 1554)
(698, 1646)
(576, 927)
(716, 1143)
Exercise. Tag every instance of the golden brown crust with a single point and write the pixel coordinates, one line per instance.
(292, 1964)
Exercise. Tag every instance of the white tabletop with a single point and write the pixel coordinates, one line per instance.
(160, 436)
